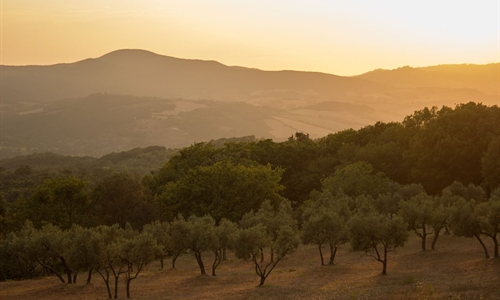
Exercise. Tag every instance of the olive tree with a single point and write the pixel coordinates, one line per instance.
(278, 234)
(465, 220)
(221, 241)
(376, 234)
(201, 237)
(179, 229)
(84, 250)
(273, 218)
(418, 213)
(248, 244)
(136, 252)
(325, 222)
(49, 246)
(109, 262)
(161, 232)
(489, 217)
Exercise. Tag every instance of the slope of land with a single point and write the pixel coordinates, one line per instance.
(76, 108)
(457, 270)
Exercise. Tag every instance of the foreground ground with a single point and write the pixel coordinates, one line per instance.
(457, 270)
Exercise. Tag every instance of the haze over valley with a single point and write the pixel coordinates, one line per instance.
(136, 98)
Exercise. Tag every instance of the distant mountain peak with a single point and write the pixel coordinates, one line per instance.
(140, 56)
(129, 54)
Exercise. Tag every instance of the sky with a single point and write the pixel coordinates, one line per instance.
(337, 37)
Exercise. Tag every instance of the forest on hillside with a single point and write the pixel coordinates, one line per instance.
(436, 171)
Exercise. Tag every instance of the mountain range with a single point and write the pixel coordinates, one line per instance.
(136, 98)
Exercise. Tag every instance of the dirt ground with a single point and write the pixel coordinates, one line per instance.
(457, 270)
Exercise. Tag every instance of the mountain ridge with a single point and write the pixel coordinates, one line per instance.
(137, 98)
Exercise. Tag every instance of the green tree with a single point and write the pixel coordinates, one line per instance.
(223, 189)
(325, 222)
(273, 218)
(449, 143)
(48, 246)
(161, 232)
(389, 203)
(201, 237)
(376, 234)
(357, 179)
(19, 260)
(221, 242)
(110, 262)
(442, 208)
(199, 154)
(136, 252)
(248, 243)
(489, 215)
(60, 201)
(3, 217)
(84, 250)
(418, 213)
(119, 198)
(490, 164)
(465, 220)
(467, 192)
(179, 229)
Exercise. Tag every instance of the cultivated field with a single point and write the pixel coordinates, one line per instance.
(457, 270)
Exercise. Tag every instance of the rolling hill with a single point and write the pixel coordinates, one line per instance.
(135, 98)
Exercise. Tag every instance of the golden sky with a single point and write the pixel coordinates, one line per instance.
(339, 37)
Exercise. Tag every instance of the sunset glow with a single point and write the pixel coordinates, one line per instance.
(327, 36)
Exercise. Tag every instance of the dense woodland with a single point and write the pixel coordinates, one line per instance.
(437, 172)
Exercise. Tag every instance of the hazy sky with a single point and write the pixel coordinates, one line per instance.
(339, 37)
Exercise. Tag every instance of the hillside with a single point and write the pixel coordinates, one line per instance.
(455, 271)
(135, 98)
(484, 78)
(143, 73)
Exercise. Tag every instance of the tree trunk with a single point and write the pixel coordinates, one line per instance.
(66, 269)
(261, 255)
(321, 254)
(434, 240)
(174, 258)
(217, 260)
(384, 262)
(200, 262)
(424, 238)
(482, 245)
(109, 289)
(495, 244)
(45, 267)
(128, 287)
(116, 287)
(59, 276)
(333, 252)
(106, 281)
(262, 280)
(89, 277)
(74, 277)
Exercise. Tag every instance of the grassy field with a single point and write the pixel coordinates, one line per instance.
(457, 270)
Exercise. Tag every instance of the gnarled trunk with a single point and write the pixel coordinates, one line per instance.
(200, 262)
(89, 277)
(321, 254)
(482, 245)
(434, 240)
(333, 252)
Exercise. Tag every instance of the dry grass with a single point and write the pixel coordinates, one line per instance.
(457, 270)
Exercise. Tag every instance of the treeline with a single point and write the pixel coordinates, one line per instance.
(438, 170)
